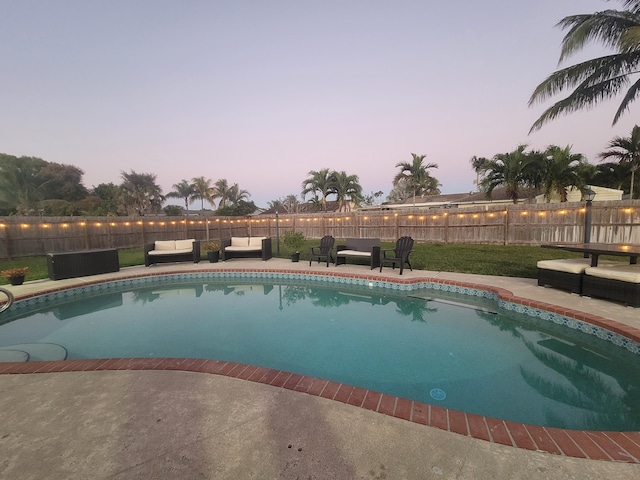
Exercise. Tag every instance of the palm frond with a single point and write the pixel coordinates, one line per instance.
(629, 97)
(605, 27)
(590, 72)
(582, 97)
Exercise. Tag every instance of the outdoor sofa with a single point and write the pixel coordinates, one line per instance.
(242, 247)
(168, 251)
(359, 248)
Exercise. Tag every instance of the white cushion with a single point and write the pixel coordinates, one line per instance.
(170, 252)
(624, 273)
(165, 245)
(256, 241)
(572, 265)
(185, 244)
(353, 253)
(242, 249)
(239, 241)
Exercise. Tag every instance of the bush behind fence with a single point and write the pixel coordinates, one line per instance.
(616, 222)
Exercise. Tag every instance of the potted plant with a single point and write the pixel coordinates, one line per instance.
(15, 275)
(213, 251)
(293, 241)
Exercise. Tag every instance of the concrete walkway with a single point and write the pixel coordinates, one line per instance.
(184, 425)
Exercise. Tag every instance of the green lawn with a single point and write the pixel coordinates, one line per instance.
(508, 261)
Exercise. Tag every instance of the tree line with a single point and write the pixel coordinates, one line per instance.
(33, 186)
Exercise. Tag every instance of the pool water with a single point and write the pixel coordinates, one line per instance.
(455, 351)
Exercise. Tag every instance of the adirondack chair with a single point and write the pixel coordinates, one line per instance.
(399, 254)
(323, 251)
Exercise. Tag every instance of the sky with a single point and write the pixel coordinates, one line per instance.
(262, 92)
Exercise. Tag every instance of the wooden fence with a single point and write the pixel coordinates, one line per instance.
(616, 222)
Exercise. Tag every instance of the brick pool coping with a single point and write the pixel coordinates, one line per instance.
(596, 445)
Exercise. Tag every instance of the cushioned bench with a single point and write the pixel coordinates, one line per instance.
(363, 248)
(238, 247)
(565, 274)
(620, 283)
(167, 251)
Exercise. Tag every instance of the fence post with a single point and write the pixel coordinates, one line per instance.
(506, 226)
(446, 227)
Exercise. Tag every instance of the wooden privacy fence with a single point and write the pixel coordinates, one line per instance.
(616, 222)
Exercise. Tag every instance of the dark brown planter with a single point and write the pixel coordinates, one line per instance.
(17, 280)
(295, 257)
(213, 256)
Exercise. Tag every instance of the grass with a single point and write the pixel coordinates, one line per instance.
(500, 260)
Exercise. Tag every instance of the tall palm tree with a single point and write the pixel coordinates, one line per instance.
(183, 190)
(346, 187)
(601, 78)
(416, 175)
(511, 170)
(319, 182)
(627, 151)
(222, 192)
(562, 170)
(202, 190)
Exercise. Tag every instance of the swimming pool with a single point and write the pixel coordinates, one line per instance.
(457, 348)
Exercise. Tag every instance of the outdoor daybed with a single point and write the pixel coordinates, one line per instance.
(239, 247)
(620, 283)
(565, 274)
(363, 248)
(167, 251)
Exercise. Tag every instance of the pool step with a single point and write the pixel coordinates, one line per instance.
(457, 304)
(32, 352)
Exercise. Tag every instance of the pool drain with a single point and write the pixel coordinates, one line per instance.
(437, 394)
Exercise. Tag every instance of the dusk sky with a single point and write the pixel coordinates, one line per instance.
(262, 92)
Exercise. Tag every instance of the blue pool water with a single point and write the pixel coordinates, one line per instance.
(451, 350)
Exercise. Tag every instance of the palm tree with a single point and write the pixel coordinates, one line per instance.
(319, 182)
(346, 187)
(562, 170)
(183, 190)
(291, 204)
(202, 190)
(627, 151)
(140, 192)
(222, 192)
(601, 78)
(237, 195)
(612, 175)
(417, 177)
(511, 170)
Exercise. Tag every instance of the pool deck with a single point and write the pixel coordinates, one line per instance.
(167, 418)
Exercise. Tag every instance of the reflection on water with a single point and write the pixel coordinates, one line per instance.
(484, 360)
